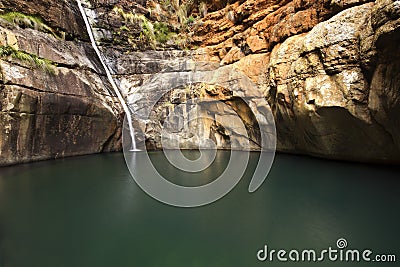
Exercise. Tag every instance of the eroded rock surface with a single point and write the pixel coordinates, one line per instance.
(63, 108)
(323, 86)
(329, 70)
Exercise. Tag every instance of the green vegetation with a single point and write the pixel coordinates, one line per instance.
(190, 20)
(33, 60)
(183, 9)
(128, 17)
(169, 24)
(162, 32)
(124, 28)
(141, 33)
(27, 21)
(147, 28)
(182, 13)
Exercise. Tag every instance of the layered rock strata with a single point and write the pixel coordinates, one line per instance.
(329, 70)
(54, 99)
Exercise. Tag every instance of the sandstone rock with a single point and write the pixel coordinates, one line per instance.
(324, 67)
(322, 96)
(63, 15)
(67, 110)
(253, 66)
(55, 116)
(235, 54)
(256, 43)
(329, 70)
(384, 98)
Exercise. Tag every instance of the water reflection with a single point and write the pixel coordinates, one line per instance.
(88, 211)
(180, 177)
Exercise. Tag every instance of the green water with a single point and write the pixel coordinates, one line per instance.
(88, 211)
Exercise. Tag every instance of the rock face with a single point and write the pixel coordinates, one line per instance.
(328, 69)
(54, 99)
(334, 90)
(203, 106)
(329, 87)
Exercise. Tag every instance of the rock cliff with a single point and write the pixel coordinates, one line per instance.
(328, 69)
(54, 99)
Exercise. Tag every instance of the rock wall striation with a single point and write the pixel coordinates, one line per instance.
(329, 69)
(54, 98)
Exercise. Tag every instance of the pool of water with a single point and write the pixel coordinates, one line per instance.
(88, 211)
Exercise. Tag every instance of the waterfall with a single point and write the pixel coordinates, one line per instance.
(109, 76)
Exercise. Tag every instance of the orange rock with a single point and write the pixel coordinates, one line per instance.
(256, 43)
(253, 65)
(233, 55)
